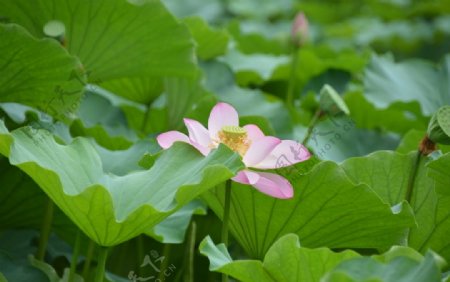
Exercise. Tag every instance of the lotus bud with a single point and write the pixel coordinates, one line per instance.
(331, 103)
(299, 32)
(439, 126)
(56, 30)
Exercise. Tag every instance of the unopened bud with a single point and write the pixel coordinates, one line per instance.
(299, 32)
(439, 126)
(56, 30)
(331, 102)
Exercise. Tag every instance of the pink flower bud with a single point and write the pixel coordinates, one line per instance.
(299, 32)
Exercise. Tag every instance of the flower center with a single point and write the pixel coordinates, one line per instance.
(235, 137)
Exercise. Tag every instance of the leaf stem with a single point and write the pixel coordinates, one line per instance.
(412, 176)
(87, 262)
(311, 125)
(226, 216)
(45, 230)
(140, 252)
(102, 255)
(189, 274)
(146, 115)
(74, 260)
(165, 262)
(292, 78)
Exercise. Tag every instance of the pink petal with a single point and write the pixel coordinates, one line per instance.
(222, 115)
(197, 132)
(253, 132)
(287, 153)
(246, 177)
(166, 139)
(274, 185)
(259, 150)
(202, 149)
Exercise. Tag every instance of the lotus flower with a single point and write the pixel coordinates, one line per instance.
(257, 150)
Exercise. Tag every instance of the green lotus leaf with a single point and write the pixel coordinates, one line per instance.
(403, 267)
(37, 72)
(338, 138)
(439, 170)
(211, 42)
(100, 119)
(253, 68)
(109, 208)
(114, 39)
(387, 173)
(439, 127)
(183, 96)
(387, 82)
(327, 209)
(15, 246)
(286, 261)
(259, 9)
(398, 117)
(317, 60)
(21, 202)
(173, 229)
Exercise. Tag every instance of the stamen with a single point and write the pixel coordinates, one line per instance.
(236, 138)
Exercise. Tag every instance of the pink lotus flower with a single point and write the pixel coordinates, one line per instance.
(257, 150)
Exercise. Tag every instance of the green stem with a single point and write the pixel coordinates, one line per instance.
(45, 230)
(74, 261)
(226, 216)
(140, 252)
(292, 78)
(412, 176)
(311, 126)
(102, 255)
(226, 212)
(87, 262)
(146, 115)
(165, 262)
(189, 274)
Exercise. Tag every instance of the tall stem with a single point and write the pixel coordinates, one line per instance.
(102, 255)
(226, 212)
(189, 274)
(226, 216)
(140, 252)
(45, 230)
(292, 78)
(146, 115)
(74, 261)
(311, 125)
(412, 176)
(165, 262)
(87, 262)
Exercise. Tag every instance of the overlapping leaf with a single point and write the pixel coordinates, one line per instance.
(109, 208)
(415, 80)
(439, 170)
(388, 173)
(287, 261)
(113, 39)
(327, 210)
(37, 73)
(399, 264)
(21, 203)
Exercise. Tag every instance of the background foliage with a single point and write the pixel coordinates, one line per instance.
(80, 112)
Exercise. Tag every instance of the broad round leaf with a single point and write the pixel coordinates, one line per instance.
(37, 73)
(109, 208)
